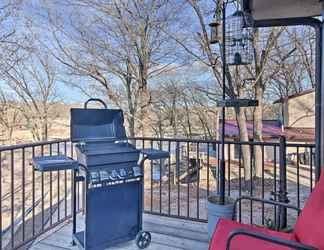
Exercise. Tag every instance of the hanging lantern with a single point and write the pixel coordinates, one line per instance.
(239, 39)
(215, 31)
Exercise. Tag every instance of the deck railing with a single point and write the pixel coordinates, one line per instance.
(179, 186)
(32, 202)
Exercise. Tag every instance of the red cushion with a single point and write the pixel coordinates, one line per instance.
(310, 223)
(224, 227)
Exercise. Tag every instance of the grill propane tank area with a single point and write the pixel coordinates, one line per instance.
(111, 170)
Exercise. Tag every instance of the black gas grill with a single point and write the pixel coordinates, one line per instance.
(113, 177)
(111, 170)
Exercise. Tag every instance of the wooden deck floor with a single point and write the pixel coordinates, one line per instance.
(167, 234)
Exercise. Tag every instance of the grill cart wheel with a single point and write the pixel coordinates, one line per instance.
(143, 239)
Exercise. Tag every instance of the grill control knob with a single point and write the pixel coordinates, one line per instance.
(122, 173)
(104, 175)
(137, 171)
(94, 177)
(114, 175)
(130, 172)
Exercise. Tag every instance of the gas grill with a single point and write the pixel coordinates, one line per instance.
(112, 172)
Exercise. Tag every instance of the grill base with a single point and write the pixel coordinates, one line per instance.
(113, 214)
(78, 239)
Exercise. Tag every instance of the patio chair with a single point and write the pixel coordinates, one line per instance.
(307, 234)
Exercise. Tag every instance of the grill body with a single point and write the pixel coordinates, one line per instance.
(112, 179)
(113, 184)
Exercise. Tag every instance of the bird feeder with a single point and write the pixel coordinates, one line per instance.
(239, 39)
(215, 31)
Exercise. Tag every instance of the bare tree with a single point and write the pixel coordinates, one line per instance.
(9, 116)
(118, 42)
(200, 49)
(34, 84)
(263, 47)
(11, 41)
(293, 62)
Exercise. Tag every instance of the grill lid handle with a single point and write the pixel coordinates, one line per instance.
(95, 100)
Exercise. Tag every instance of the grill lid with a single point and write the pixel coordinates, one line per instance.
(90, 124)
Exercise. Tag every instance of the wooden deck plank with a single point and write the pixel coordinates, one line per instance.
(167, 234)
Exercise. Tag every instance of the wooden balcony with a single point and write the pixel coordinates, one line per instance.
(167, 234)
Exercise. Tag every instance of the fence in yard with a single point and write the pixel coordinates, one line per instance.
(32, 202)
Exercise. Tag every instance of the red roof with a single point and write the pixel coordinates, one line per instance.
(271, 129)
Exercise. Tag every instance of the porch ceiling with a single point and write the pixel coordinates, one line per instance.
(276, 9)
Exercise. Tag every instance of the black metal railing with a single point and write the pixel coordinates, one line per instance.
(179, 187)
(32, 202)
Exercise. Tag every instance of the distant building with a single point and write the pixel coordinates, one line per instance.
(271, 131)
(298, 116)
(296, 123)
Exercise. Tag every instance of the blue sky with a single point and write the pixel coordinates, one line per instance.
(33, 12)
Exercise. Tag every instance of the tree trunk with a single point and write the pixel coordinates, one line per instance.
(130, 104)
(258, 130)
(217, 125)
(244, 137)
(45, 128)
(9, 134)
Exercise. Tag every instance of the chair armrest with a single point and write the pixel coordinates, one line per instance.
(271, 239)
(276, 203)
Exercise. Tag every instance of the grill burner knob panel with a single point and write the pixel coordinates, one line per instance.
(114, 176)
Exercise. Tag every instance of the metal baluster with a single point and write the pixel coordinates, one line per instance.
(251, 182)
(198, 180)
(143, 146)
(1, 200)
(275, 183)
(33, 192)
(151, 163)
(218, 164)
(298, 181)
(169, 179)
(240, 182)
(311, 168)
(72, 176)
(188, 188)
(23, 194)
(65, 184)
(262, 182)
(282, 223)
(51, 191)
(208, 169)
(177, 174)
(42, 190)
(58, 186)
(229, 169)
(12, 231)
(160, 194)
